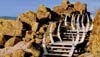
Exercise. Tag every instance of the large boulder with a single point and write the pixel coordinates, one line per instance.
(80, 7)
(65, 8)
(19, 53)
(11, 42)
(29, 20)
(43, 13)
(94, 41)
(65, 4)
(10, 27)
(27, 17)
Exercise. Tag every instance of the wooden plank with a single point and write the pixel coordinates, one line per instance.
(67, 55)
(60, 47)
(63, 51)
(63, 43)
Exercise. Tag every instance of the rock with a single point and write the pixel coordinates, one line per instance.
(65, 4)
(80, 7)
(35, 26)
(38, 40)
(12, 41)
(86, 55)
(29, 36)
(19, 53)
(1, 39)
(59, 9)
(10, 27)
(65, 8)
(43, 29)
(20, 46)
(43, 13)
(94, 39)
(27, 17)
(39, 35)
(29, 20)
(35, 52)
(31, 26)
(7, 55)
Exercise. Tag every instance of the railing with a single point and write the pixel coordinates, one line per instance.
(79, 27)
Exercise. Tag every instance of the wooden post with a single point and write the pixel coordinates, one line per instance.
(44, 45)
(50, 34)
(72, 22)
(58, 32)
(65, 20)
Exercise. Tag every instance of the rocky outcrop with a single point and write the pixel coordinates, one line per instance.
(11, 42)
(82, 8)
(20, 47)
(11, 27)
(28, 20)
(23, 36)
(93, 49)
(67, 8)
(95, 36)
(43, 13)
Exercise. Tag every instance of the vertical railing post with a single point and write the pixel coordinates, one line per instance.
(77, 22)
(50, 33)
(72, 22)
(83, 30)
(44, 45)
(77, 25)
(65, 20)
(58, 32)
(87, 25)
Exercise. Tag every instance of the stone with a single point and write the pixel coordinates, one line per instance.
(10, 27)
(43, 13)
(65, 8)
(43, 29)
(35, 52)
(17, 48)
(35, 26)
(19, 53)
(65, 3)
(11, 42)
(29, 36)
(38, 40)
(94, 39)
(27, 17)
(86, 55)
(59, 9)
(7, 55)
(1, 39)
(30, 27)
(80, 7)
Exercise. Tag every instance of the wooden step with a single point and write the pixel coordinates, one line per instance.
(70, 37)
(72, 33)
(59, 50)
(74, 30)
(63, 43)
(53, 47)
(67, 55)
